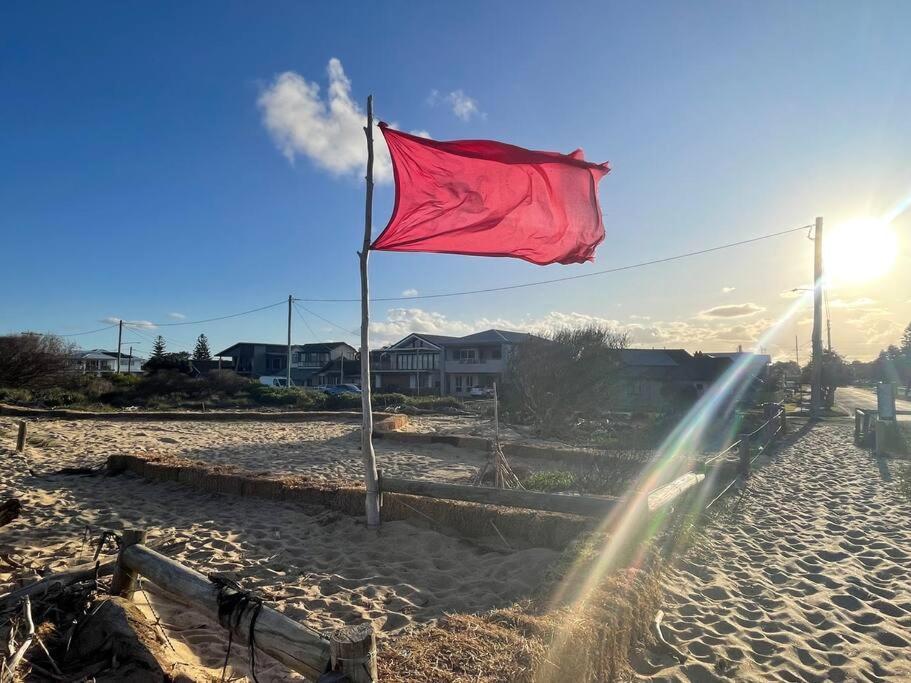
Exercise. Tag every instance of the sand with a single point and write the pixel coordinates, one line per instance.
(321, 568)
(808, 578)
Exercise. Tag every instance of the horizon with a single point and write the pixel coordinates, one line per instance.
(178, 180)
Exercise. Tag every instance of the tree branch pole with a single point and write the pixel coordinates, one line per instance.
(816, 367)
(288, 379)
(369, 457)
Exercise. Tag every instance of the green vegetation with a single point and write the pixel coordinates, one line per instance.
(550, 481)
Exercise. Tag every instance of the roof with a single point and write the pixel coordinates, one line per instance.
(667, 358)
(491, 337)
(95, 354)
(310, 346)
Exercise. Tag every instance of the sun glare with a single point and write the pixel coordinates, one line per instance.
(859, 251)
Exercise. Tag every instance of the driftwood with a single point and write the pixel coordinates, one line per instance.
(9, 510)
(9, 673)
(83, 572)
(665, 495)
(589, 506)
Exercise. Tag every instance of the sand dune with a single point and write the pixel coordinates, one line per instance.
(807, 578)
(322, 568)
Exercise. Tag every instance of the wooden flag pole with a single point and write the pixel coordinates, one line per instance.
(369, 457)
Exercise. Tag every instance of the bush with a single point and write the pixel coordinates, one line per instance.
(556, 480)
(18, 396)
(33, 361)
(57, 396)
(226, 382)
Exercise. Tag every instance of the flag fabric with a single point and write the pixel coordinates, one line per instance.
(487, 198)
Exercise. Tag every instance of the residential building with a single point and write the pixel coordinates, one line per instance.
(100, 362)
(437, 364)
(254, 359)
(651, 379)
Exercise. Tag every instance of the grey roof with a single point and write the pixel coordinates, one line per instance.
(491, 337)
(310, 346)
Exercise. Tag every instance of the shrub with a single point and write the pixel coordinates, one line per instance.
(554, 480)
(13, 395)
(383, 401)
(33, 361)
(58, 396)
(343, 402)
(226, 382)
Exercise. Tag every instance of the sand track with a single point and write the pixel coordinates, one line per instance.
(807, 578)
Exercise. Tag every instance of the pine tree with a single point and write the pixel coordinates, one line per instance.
(158, 347)
(201, 352)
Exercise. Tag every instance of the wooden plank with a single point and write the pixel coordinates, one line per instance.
(291, 643)
(666, 494)
(589, 506)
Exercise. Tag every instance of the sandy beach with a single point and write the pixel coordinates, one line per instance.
(806, 578)
(321, 568)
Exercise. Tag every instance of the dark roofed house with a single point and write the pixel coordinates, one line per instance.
(253, 359)
(651, 378)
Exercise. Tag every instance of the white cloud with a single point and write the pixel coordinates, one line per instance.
(463, 106)
(727, 290)
(860, 302)
(329, 131)
(732, 311)
(177, 316)
(143, 324)
(410, 292)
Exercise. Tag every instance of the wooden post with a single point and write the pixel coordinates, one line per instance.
(22, 436)
(744, 466)
(784, 420)
(123, 583)
(858, 420)
(353, 652)
(816, 361)
(372, 499)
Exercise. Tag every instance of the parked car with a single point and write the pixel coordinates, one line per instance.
(336, 389)
(481, 392)
(275, 381)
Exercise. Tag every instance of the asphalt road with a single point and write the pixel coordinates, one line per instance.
(849, 398)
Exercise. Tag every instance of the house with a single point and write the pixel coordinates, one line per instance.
(254, 359)
(757, 365)
(653, 378)
(100, 362)
(438, 364)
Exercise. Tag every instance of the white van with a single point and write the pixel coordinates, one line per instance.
(275, 381)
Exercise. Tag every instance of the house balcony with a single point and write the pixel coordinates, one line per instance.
(475, 366)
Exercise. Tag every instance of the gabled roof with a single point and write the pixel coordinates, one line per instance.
(654, 357)
(437, 340)
(492, 337)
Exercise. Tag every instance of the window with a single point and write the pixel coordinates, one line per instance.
(496, 353)
(467, 355)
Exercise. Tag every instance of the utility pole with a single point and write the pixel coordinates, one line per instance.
(797, 352)
(816, 367)
(290, 300)
(829, 333)
(130, 361)
(119, 338)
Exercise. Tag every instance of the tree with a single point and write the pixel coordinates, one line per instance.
(906, 341)
(158, 347)
(551, 381)
(835, 373)
(179, 362)
(201, 352)
(33, 361)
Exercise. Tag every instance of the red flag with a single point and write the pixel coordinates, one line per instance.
(486, 198)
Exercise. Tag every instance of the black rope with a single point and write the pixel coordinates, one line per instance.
(233, 602)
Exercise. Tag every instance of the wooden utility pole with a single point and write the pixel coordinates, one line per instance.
(816, 367)
(290, 300)
(370, 478)
(797, 351)
(829, 333)
(130, 361)
(119, 339)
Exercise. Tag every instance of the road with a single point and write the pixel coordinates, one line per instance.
(849, 398)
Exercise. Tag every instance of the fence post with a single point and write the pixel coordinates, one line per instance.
(858, 418)
(352, 650)
(744, 465)
(784, 419)
(123, 583)
(22, 436)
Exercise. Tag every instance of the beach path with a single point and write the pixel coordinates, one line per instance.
(806, 578)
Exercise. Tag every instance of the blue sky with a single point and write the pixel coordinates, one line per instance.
(140, 178)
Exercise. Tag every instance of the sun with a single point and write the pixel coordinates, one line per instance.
(859, 251)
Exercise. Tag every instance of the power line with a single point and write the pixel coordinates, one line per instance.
(79, 334)
(222, 317)
(607, 271)
(304, 320)
(326, 320)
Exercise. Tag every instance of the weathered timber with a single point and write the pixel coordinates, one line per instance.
(83, 572)
(666, 494)
(292, 644)
(22, 436)
(124, 582)
(588, 506)
(353, 652)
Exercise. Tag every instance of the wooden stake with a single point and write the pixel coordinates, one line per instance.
(372, 498)
(123, 583)
(22, 437)
(353, 652)
(744, 467)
